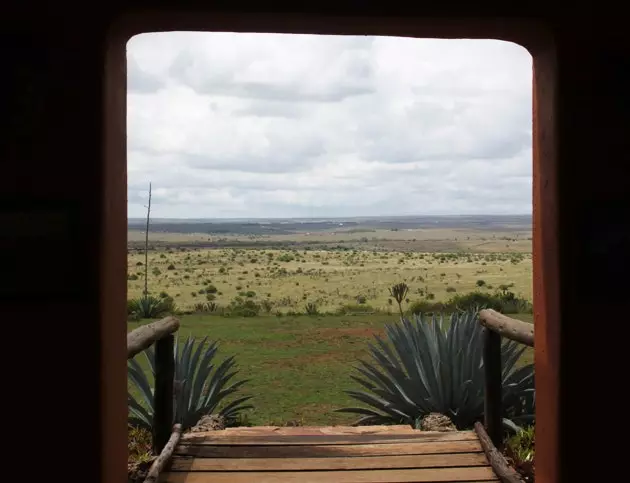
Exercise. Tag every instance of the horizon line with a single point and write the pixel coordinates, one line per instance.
(329, 217)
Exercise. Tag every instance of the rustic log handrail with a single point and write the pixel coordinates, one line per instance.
(145, 336)
(165, 455)
(498, 462)
(513, 329)
(498, 325)
(159, 333)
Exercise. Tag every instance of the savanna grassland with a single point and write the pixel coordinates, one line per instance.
(299, 365)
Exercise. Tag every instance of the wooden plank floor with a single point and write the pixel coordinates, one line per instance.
(377, 454)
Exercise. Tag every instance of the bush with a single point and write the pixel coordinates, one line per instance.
(418, 307)
(266, 305)
(139, 444)
(244, 308)
(205, 385)
(425, 367)
(311, 309)
(206, 307)
(150, 307)
(504, 302)
(520, 450)
(350, 309)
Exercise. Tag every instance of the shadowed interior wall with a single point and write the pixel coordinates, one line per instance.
(63, 150)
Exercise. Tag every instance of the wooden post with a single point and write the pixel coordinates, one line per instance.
(163, 396)
(493, 413)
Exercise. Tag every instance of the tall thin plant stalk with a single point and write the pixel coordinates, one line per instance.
(146, 248)
(399, 292)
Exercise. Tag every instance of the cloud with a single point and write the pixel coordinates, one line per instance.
(263, 125)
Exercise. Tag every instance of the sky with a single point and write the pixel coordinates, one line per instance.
(232, 125)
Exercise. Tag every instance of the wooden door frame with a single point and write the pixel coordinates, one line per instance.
(535, 36)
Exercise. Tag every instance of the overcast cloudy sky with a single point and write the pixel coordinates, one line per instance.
(260, 125)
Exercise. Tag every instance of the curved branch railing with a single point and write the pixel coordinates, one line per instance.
(159, 333)
(498, 325)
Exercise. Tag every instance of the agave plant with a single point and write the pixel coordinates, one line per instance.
(428, 367)
(200, 386)
(149, 307)
(399, 292)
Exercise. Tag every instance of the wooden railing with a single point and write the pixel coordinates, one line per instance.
(498, 326)
(491, 436)
(165, 434)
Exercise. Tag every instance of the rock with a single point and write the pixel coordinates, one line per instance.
(209, 422)
(437, 422)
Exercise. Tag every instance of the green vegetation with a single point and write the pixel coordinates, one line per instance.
(139, 443)
(298, 315)
(298, 367)
(434, 366)
(202, 386)
(331, 280)
(520, 451)
(150, 307)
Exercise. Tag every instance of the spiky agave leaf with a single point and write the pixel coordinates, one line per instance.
(201, 387)
(149, 307)
(426, 366)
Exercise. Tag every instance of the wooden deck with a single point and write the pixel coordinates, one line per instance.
(377, 454)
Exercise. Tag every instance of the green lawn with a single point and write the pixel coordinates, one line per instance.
(298, 366)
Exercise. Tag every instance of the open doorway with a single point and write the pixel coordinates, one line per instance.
(295, 187)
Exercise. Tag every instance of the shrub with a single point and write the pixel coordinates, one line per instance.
(311, 309)
(139, 444)
(424, 367)
(266, 305)
(243, 308)
(418, 307)
(206, 307)
(520, 449)
(349, 309)
(150, 307)
(503, 302)
(204, 385)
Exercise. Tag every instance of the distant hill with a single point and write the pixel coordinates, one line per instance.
(297, 225)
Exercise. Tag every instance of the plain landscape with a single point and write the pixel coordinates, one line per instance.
(297, 301)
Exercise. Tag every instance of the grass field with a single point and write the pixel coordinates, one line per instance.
(298, 366)
(288, 279)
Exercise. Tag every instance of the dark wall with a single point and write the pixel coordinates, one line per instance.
(52, 81)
